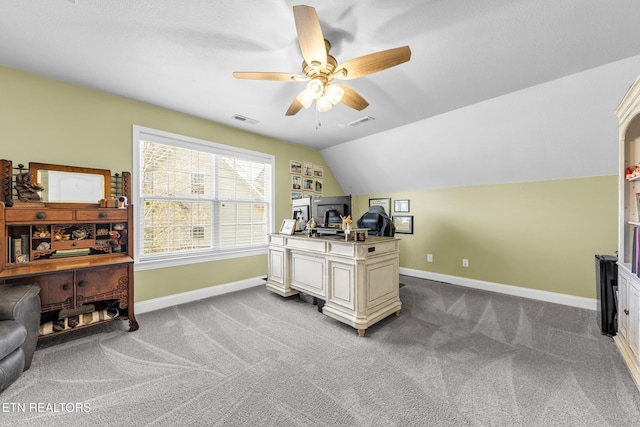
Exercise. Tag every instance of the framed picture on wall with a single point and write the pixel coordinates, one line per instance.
(308, 184)
(319, 186)
(384, 202)
(295, 195)
(318, 171)
(401, 206)
(307, 168)
(295, 167)
(296, 182)
(403, 223)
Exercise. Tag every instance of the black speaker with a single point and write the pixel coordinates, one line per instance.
(606, 287)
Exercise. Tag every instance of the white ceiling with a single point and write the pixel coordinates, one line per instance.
(180, 54)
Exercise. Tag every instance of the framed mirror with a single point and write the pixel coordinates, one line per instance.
(71, 184)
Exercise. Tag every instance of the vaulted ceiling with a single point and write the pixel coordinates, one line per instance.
(180, 54)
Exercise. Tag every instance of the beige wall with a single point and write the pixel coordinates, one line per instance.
(44, 120)
(541, 235)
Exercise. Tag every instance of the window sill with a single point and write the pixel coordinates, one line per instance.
(175, 261)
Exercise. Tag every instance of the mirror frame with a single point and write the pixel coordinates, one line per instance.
(34, 168)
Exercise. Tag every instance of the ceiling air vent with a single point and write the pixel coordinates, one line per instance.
(360, 121)
(245, 119)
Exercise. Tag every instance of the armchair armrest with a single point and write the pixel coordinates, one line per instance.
(14, 299)
(21, 302)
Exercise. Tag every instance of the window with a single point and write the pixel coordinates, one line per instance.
(198, 200)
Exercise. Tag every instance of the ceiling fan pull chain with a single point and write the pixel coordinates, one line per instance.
(318, 120)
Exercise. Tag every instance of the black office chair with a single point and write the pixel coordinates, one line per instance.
(378, 222)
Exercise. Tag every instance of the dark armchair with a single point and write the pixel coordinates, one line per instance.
(19, 324)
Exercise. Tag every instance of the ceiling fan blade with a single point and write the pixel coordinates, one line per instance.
(310, 36)
(281, 77)
(372, 63)
(294, 108)
(352, 99)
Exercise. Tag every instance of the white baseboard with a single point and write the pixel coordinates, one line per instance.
(564, 299)
(198, 294)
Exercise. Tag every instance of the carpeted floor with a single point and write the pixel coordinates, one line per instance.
(454, 357)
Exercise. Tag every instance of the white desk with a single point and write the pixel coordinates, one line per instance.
(359, 281)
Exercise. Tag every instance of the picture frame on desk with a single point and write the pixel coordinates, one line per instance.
(288, 226)
(385, 202)
(403, 223)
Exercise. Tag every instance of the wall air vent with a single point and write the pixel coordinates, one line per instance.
(360, 121)
(245, 119)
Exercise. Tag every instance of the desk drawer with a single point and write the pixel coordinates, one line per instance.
(310, 244)
(37, 215)
(377, 249)
(102, 215)
(308, 274)
(344, 249)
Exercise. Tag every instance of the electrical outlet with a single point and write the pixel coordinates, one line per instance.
(429, 257)
(465, 262)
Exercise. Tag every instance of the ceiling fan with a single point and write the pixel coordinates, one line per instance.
(320, 69)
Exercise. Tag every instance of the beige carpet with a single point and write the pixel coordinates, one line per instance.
(454, 357)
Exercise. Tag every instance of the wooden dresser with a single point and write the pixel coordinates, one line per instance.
(81, 255)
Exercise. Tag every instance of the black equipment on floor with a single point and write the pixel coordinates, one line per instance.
(606, 288)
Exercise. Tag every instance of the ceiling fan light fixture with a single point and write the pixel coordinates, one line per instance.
(315, 87)
(319, 67)
(305, 99)
(323, 104)
(334, 93)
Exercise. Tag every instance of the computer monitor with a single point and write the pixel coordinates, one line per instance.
(328, 210)
(301, 212)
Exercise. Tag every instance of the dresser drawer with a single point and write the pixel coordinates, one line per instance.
(73, 244)
(102, 215)
(101, 283)
(37, 215)
(56, 290)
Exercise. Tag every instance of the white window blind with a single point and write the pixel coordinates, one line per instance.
(198, 200)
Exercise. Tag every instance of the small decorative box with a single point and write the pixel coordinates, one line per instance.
(356, 234)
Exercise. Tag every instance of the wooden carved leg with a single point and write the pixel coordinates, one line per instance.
(133, 324)
(361, 332)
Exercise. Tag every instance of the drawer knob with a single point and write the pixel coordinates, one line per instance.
(626, 311)
(41, 215)
(102, 215)
(81, 283)
(65, 287)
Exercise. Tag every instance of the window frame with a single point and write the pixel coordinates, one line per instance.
(173, 259)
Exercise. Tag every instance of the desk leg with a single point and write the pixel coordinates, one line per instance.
(361, 332)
